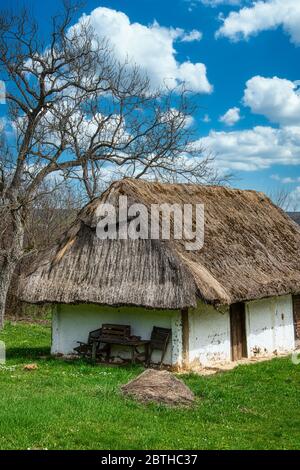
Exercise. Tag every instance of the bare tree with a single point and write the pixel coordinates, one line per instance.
(78, 112)
(49, 216)
(51, 213)
(283, 198)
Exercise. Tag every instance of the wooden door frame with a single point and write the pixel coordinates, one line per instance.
(238, 333)
(296, 311)
(185, 337)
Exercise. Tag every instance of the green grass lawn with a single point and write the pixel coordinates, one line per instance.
(73, 405)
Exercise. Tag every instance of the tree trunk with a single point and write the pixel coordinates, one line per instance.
(7, 270)
(11, 259)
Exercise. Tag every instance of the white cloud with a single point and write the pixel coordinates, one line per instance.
(189, 121)
(262, 16)
(231, 117)
(191, 36)
(173, 113)
(275, 177)
(276, 98)
(7, 127)
(263, 146)
(286, 179)
(2, 123)
(290, 180)
(152, 48)
(214, 3)
(206, 118)
(254, 149)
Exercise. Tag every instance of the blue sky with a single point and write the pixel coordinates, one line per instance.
(252, 65)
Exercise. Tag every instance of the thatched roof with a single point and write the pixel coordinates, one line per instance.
(251, 251)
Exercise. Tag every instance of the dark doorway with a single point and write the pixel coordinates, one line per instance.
(238, 331)
(296, 304)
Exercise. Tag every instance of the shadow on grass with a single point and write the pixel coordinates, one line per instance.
(34, 354)
(29, 353)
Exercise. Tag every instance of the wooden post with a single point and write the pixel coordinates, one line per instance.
(185, 337)
(296, 308)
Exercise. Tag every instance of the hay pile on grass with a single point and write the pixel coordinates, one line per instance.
(160, 387)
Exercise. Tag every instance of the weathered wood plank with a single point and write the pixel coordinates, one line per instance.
(185, 337)
(238, 331)
(296, 308)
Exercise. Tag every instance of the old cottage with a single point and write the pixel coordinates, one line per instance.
(237, 296)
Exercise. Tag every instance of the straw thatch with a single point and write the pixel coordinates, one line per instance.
(251, 251)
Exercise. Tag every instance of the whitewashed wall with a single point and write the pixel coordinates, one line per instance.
(72, 323)
(269, 329)
(209, 335)
(269, 326)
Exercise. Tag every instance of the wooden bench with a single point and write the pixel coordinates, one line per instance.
(160, 338)
(89, 349)
(115, 334)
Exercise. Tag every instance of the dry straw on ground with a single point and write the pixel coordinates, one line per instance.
(30, 367)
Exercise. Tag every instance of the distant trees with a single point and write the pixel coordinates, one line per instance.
(51, 214)
(48, 217)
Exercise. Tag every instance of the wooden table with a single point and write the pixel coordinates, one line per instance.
(133, 344)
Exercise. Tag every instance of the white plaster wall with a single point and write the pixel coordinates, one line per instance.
(72, 323)
(269, 326)
(209, 335)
